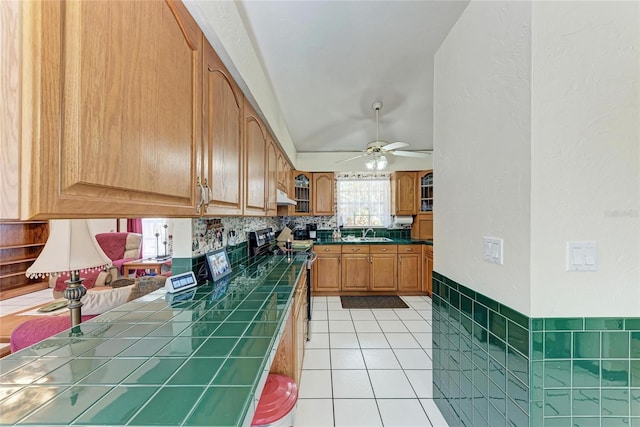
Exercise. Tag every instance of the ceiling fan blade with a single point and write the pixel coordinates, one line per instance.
(394, 145)
(416, 154)
(351, 158)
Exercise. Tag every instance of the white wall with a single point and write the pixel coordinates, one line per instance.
(104, 225)
(586, 156)
(537, 139)
(482, 152)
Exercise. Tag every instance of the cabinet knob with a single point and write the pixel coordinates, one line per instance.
(383, 249)
(326, 249)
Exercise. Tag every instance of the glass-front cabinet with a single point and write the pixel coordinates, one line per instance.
(422, 227)
(426, 192)
(302, 191)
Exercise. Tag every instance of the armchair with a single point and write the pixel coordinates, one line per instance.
(92, 279)
(120, 247)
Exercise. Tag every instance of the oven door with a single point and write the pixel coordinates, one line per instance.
(311, 258)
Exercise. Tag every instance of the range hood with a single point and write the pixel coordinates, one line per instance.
(283, 199)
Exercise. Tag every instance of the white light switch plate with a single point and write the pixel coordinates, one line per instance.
(582, 256)
(492, 250)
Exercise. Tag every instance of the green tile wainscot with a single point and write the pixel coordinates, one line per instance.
(494, 366)
(196, 358)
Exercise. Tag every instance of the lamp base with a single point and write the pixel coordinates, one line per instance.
(74, 292)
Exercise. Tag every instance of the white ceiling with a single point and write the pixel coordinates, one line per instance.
(328, 61)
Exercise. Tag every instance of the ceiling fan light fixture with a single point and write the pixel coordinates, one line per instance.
(382, 163)
(371, 164)
(377, 163)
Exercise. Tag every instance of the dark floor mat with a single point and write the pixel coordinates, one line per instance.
(374, 301)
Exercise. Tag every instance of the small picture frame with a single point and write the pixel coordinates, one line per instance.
(218, 265)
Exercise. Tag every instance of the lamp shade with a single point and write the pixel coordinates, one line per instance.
(71, 247)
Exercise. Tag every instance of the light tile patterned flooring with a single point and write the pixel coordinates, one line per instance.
(23, 302)
(368, 367)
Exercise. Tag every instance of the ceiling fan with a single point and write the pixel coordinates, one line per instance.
(378, 148)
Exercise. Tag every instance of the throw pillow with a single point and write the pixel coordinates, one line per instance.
(98, 302)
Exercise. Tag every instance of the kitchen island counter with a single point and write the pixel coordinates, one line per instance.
(196, 358)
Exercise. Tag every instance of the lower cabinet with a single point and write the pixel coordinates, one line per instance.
(427, 269)
(355, 268)
(409, 268)
(325, 272)
(360, 269)
(383, 270)
(290, 353)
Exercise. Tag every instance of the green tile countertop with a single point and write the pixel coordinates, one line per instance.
(393, 241)
(196, 358)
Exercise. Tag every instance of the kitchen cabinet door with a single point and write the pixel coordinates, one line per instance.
(11, 45)
(427, 269)
(302, 192)
(301, 326)
(326, 271)
(114, 99)
(222, 137)
(283, 170)
(422, 227)
(323, 189)
(255, 163)
(383, 272)
(355, 268)
(403, 193)
(290, 353)
(409, 268)
(272, 175)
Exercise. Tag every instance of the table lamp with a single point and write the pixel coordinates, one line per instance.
(71, 248)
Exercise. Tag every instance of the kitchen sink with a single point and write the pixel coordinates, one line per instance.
(353, 239)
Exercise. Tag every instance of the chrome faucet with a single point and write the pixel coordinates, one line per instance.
(365, 232)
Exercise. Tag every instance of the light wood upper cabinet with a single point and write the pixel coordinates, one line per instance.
(222, 164)
(323, 189)
(10, 46)
(302, 182)
(423, 224)
(111, 109)
(284, 173)
(272, 176)
(403, 193)
(425, 189)
(255, 162)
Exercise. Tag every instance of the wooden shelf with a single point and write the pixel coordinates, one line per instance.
(17, 261)
(20, 244)
(6, 276)
(30, 245)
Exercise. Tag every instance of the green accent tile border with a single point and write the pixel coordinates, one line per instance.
(559, 371)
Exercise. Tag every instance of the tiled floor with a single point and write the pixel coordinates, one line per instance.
(22, 302)
(368, 367)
